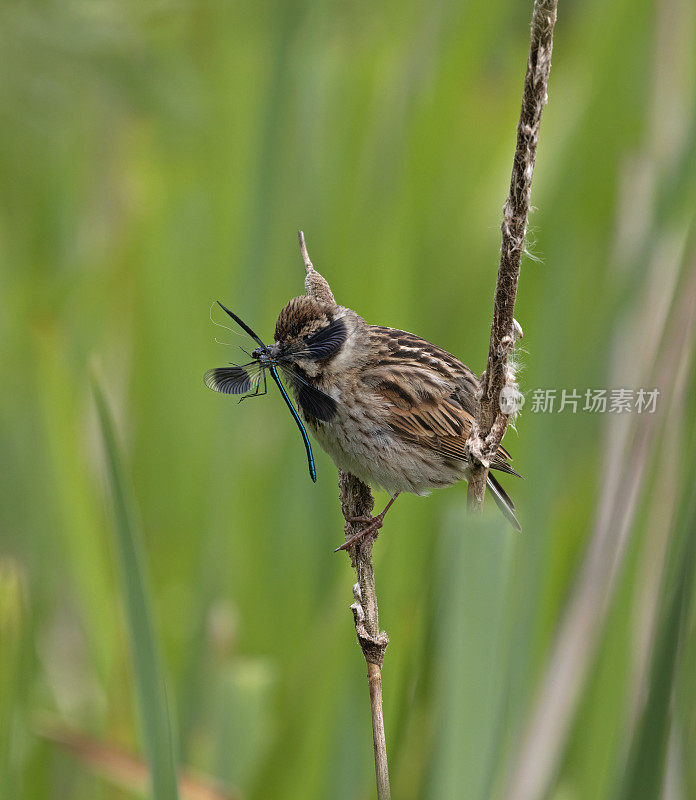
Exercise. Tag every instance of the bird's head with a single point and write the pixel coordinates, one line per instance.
(310, 334)
(313, 332)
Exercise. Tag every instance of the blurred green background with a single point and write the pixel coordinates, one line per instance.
(158, 156)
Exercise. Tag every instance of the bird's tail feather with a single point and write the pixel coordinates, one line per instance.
(503, 501)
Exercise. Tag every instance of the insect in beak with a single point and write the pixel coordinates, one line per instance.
(267, 358)
(264, 354)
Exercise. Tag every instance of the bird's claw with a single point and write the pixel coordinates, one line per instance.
(368, 519)
(372, 526)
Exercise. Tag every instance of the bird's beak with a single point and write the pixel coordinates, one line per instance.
(274, 350)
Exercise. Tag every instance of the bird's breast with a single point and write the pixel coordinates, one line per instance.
(359, 440)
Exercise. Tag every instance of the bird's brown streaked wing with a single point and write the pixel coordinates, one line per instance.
(391, 345)
(430, 393)
(438, 424)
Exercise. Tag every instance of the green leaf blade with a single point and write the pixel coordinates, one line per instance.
(151, 691)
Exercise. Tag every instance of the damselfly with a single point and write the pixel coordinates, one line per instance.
(248, 379)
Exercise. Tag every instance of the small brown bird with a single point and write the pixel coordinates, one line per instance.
(387, 406)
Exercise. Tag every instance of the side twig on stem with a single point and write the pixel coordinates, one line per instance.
(357, 501)
(491, 421)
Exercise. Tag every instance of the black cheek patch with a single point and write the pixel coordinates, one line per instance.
(327, 342)
(316, 404)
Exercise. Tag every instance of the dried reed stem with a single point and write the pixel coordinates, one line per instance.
(357, 501)
(489, 426)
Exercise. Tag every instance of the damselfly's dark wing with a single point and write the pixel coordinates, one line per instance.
(327, 341)
(313, 402)
(247, 380)
(243, 379)
(242, 324)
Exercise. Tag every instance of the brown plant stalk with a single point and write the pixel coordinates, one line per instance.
(357, 501)
(491, 421)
